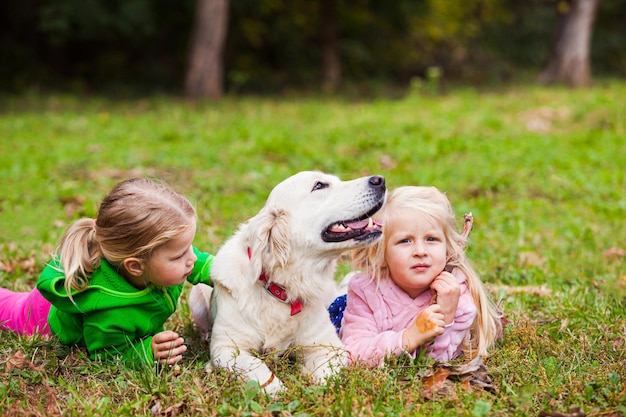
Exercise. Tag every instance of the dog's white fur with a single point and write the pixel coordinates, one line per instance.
(285, 242)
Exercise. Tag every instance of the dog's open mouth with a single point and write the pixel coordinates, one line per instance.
(358, 229)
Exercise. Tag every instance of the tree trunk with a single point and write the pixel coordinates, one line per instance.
(569, 59)
(206, 67)
(331, 64)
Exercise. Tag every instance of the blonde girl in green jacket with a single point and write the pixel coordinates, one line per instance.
(116, 279)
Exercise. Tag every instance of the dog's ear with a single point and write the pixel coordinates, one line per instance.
(279, 244)
(270, 239)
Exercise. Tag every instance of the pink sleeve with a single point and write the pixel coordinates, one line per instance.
(449, 345)
(360, 330)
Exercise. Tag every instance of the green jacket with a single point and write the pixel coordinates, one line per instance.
(111, 317)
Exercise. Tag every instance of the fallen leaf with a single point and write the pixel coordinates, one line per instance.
(387, 162)
(155, 410)
(7, 266)
(573, 412)
(444, 378)
(170, 411)
(539, 291)
(432, 390)
(17, 360)
(474, 371)
(530, 258)
(540, 120)
(72, 205)
(614, 253)
(28, 265)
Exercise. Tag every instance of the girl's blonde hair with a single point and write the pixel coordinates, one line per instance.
(135, 218)
(434, 204)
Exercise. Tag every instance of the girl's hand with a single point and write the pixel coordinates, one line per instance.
(427, 325)
(168, 347)
(448, 294)
(430, 322)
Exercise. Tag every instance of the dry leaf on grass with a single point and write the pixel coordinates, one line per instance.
(540, 120)
(573, 412)
(73, 205)
(171, 411)
(435, 384)
(19, 361)
(536, 290)
(530, 258)
(444, 379)
(27, 265)
(614, 253)
(387, 162)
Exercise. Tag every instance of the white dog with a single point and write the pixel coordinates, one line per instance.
(274, 278)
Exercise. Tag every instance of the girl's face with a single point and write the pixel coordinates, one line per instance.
(415, 251)
(173, 262)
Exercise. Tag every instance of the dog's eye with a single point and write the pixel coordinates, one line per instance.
(319, 185)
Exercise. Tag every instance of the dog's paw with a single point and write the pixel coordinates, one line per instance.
(209, 367)
(272, 386)
(324, 363)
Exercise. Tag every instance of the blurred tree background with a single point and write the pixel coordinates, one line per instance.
(277, 46)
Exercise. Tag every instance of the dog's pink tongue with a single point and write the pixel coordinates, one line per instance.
(361, 224)
(357, 224)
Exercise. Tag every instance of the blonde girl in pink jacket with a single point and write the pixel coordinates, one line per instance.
(404, 300)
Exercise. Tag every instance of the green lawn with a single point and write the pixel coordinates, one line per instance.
(543, 170)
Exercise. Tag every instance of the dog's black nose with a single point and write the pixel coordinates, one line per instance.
(377, 181)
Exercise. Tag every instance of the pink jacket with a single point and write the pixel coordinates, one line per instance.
(375, 319)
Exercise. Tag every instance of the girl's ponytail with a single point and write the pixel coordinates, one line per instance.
(79, 253)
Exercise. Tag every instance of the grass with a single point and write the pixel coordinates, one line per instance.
(542, 170)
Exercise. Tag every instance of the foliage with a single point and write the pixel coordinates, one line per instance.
(538, 167)
(274, 45)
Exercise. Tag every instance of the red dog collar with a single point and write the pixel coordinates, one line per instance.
(279, 292)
